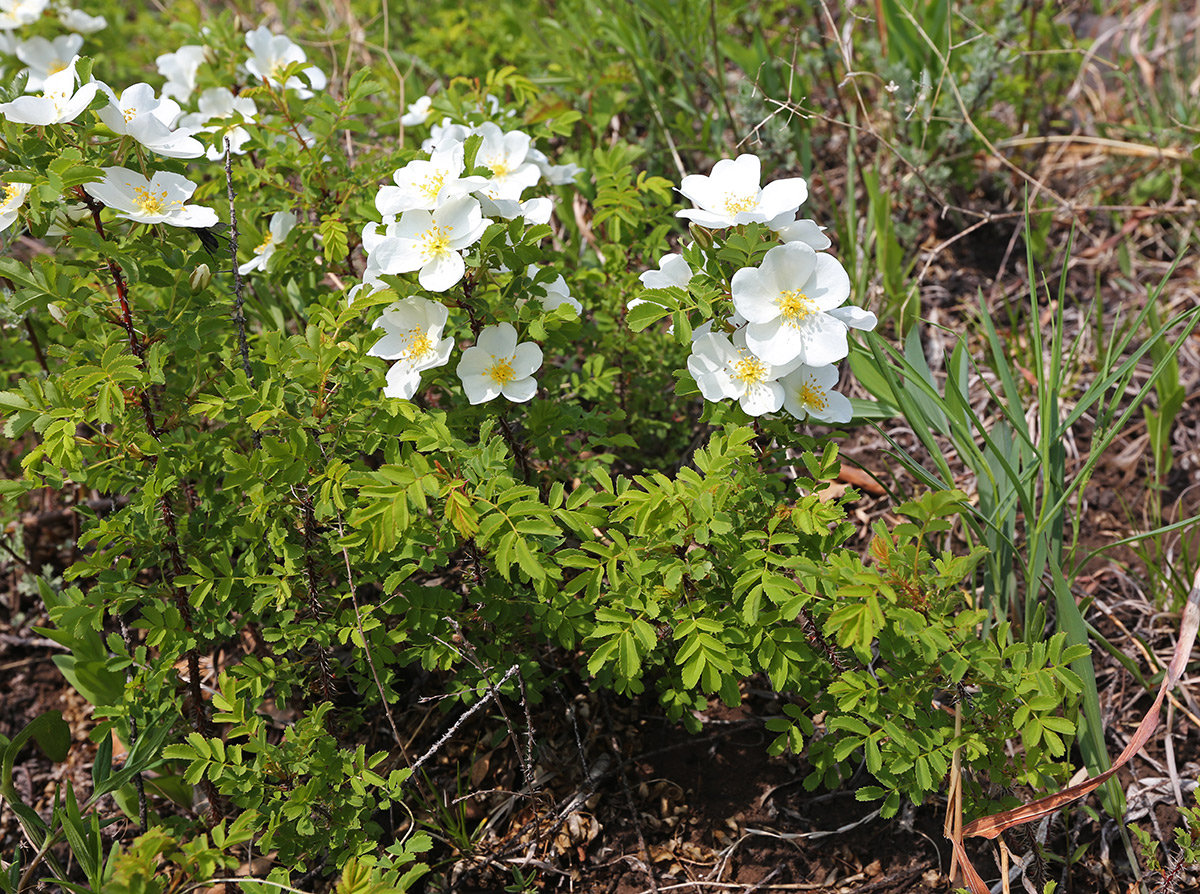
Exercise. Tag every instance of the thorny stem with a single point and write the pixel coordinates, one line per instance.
(185, 611)
(815, 638)
(135, 342)
(465, 303)
(239, 300)
(138, 782)
(316, 610)
(518, 449)
(36, 344)
(135, 345)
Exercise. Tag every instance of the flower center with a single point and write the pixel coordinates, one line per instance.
(795, 307)
(148, 202)
(750, 371)
(433, 185)
(129, 114)
(10, 194)
(420, 345)
(500, 168)
(737, 204)
(57, 66)
(812, 395)
(435, 242)
(501, 371)
(266, 243)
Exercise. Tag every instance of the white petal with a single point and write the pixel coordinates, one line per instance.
(520, 390)
(837, 408)
(789, 266)
(526, 359)
(775, 342)
(192, 216)
(783, 196)
(825, 340)
(442, 272)
(854, 317)
(402, 381)
(395, 255)
(764, 398)
(755, 296)
(830, 284)
(499, 340)
(805, 231)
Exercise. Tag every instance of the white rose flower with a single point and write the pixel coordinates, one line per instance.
(806, 231)
(672, 270)
(12, 197)
(497, 365)
(18, 13)
(556, 175)
(557, 291)
(418, 112)
(426, 184)
(730, 195)
(281, 224)
(432, 243)
(45, 57)
(535, 211)
(725, 369)
(271, 53)
(787, 300)
(412, 337)
(219, 104)
(808, 391)
(79, 21)
(59, 103)
(161, 199)
(139, 114)
(180, 69)
(445, 134)
(504, 155)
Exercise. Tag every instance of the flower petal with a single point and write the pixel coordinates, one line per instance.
(442, 272)
(520, 390)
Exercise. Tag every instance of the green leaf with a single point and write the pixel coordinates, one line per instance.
(334, 235)
(644, 315)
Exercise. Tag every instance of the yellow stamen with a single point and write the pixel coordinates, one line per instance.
(750, 371)
(435, 242)
(420, 345)
(58, 66)
(795, 307)
(148, 202)
(10, 194)
(812, 395)
(500, 168)
(501, 371)
(129, 114)
(737, 204)
(265, 243)
(433, 185)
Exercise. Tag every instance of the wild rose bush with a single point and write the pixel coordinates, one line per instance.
(368, 403)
